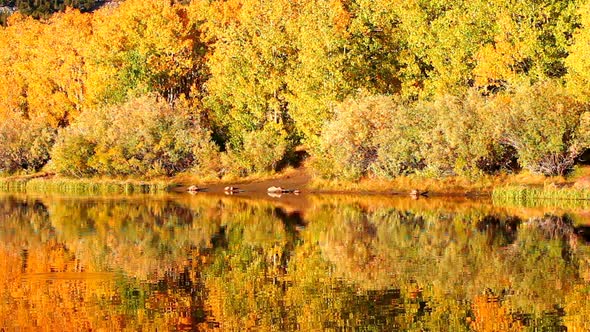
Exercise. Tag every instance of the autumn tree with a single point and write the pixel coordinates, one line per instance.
(144, 46)
(249, 59)
(341, 47)
(42, 85)
(44, 73)
(316, 79)
(578, 64)
(441, 40)
(531, 41)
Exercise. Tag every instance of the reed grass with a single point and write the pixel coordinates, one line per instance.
(565, 197)
(524, 193)
(13, 185)
(83, 186)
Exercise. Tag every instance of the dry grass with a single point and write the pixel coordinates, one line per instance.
(454, 185)
(444, 186)
(554, 187)
(189, 179)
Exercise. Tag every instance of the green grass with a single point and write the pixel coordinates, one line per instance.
(83, 186)
(13, 185)
(541, 196)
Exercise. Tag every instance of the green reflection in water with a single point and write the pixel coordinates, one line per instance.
(226, 263)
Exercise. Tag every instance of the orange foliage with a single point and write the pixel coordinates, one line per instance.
(490, 316)
(45, 73)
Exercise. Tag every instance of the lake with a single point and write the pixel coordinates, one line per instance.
(312, 263)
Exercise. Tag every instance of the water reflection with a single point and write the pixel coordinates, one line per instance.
(226, 263)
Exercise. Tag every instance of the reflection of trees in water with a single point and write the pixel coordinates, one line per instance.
(138, 238)
(553, 227)
(23, 223)
(163, 247)
(245, 282)
(231, 264)
(457, 257)
(26, 229)
(560, 228)
(158, 244)
(499, 231)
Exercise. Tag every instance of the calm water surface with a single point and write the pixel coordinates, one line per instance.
(320, 263)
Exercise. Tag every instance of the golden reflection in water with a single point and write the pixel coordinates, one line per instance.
(205, 262)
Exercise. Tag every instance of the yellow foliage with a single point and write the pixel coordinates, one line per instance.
(578, 62)
(142, 46)
(45, 74)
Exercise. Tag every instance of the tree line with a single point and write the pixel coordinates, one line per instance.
(380, 88)
(44, 8)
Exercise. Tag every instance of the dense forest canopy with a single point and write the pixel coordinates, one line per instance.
(370, 88)
(44, 8)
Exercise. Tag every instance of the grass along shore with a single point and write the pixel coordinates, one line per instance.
(533, 197)
(522, 188)
(462, 186)
(48, 183)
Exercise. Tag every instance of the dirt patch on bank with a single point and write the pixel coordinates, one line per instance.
(293, 179)
(297, 178)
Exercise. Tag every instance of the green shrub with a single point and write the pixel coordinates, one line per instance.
(380, 136)
(349, 144)
(72, 152)
(547, 127)
(457, 137)
(261, 151)
(144, 136)
(24, 143)
(398, 144)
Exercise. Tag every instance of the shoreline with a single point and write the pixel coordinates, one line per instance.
(255, 190)
(509, 187)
